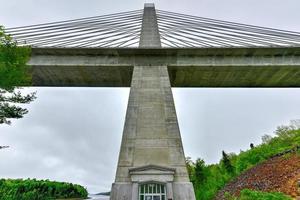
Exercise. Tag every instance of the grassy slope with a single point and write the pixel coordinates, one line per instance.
(209, 179)
(276, 174)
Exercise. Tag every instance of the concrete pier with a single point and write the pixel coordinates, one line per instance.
(151, 138)
(151, 152)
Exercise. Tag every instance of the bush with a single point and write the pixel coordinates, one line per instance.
(31, 189)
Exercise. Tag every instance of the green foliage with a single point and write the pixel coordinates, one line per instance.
(227, 163)
(13, 59)
(13, 73)
(190, 167)
(199, 171)
(247, 194)
(209, 179)
(39, 190)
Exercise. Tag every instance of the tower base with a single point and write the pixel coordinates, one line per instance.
(130, 191)
(152, 182)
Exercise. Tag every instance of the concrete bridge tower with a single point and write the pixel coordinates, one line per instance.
(151, 162)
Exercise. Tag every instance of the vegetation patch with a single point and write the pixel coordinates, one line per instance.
(31, 189)
(14, 72)
(208, 180)
(247, 194)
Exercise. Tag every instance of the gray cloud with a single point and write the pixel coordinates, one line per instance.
(212, 120)
(67, 136)
(74, 134)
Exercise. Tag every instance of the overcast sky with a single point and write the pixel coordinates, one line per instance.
(74, 134)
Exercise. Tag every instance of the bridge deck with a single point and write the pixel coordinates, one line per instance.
(234, 67)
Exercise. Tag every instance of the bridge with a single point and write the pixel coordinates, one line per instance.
(151, 51)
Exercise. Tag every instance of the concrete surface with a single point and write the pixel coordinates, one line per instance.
(234, 67)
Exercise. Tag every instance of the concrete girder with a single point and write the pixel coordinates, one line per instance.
(234, 67)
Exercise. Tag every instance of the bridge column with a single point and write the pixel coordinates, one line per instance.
(151, 150)
(149, 34)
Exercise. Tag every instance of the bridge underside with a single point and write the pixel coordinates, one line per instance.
(235, 67)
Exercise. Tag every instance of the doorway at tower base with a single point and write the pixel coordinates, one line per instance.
(152, 182)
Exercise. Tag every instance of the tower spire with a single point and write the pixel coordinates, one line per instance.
(149, 33)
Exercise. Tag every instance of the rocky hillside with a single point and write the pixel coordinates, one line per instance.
(278, 174)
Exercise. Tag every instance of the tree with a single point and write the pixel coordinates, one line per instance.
(13, 73)
(190, 167)
(227, 163)
(295, 124)
(288, 131)
(266, 139)
(199, 171)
